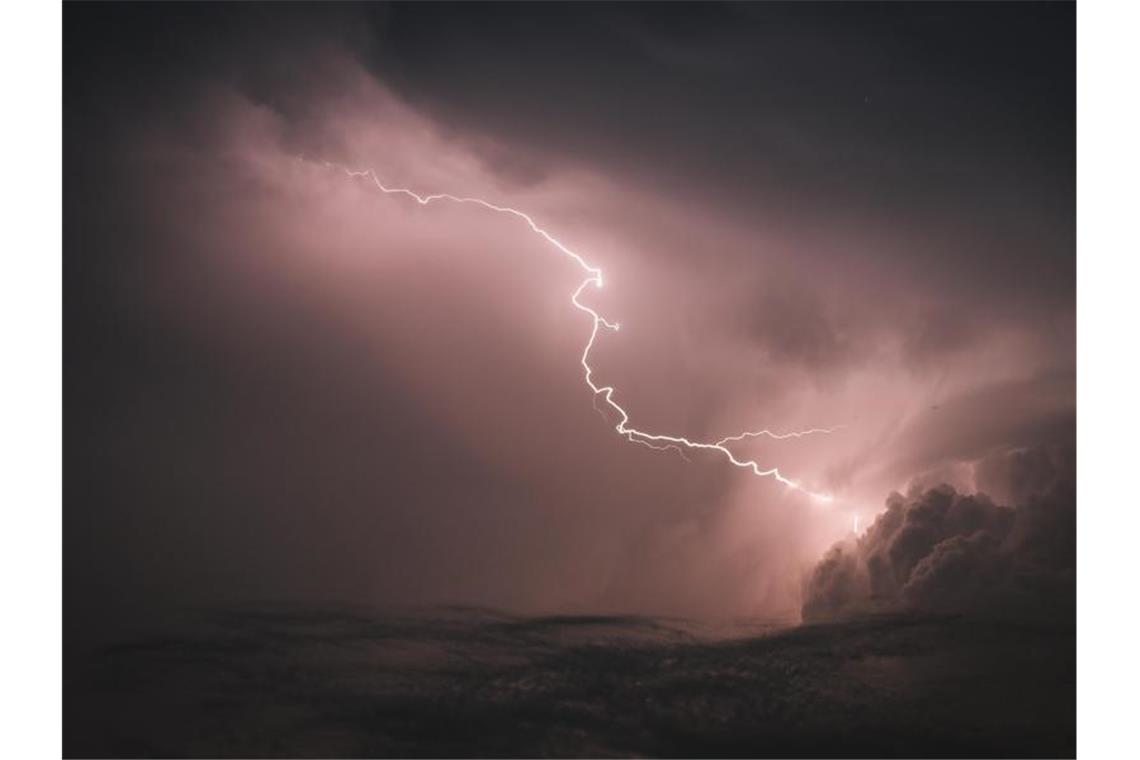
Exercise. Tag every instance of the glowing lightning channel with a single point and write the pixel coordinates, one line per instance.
(655, 441)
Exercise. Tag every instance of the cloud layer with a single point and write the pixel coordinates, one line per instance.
(280, 384)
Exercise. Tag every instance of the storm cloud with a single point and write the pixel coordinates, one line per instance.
(939, 550)
(281, 384)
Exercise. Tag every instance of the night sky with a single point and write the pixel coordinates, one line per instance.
(281, 384)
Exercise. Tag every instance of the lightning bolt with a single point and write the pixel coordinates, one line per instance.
(593, 279)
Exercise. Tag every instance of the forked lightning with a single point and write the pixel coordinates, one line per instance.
(593, 277)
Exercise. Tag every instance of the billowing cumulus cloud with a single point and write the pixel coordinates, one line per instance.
(940, 550)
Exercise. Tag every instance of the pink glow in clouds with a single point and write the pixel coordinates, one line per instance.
(594, 279)
(431, 360)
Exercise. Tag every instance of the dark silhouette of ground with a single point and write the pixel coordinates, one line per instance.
(283, 682)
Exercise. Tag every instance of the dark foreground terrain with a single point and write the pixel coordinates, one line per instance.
(306, 682)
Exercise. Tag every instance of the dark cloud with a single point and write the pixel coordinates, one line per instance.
(940, 550)
(800, 115)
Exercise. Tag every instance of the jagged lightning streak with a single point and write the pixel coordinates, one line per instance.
(656, 441)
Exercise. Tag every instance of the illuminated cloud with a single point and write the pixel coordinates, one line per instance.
(940, 550)
(294, 384)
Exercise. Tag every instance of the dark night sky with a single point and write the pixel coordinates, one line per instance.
(280, 385)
